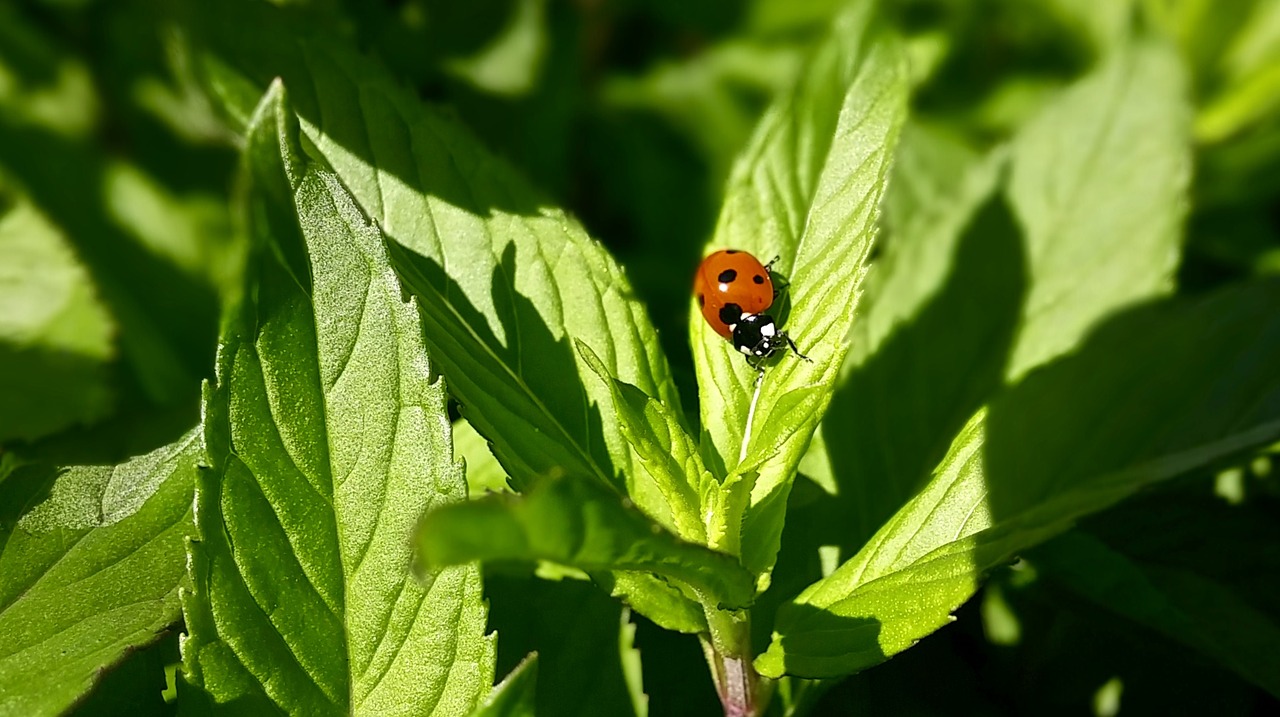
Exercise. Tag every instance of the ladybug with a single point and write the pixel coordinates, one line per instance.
(733, 290)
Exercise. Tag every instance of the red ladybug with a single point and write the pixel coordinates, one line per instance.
(733, 290)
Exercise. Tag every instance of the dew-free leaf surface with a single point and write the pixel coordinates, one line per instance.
(807, 188)
(504, 280)
(1071, 439)
(91, 560)
(328, 438)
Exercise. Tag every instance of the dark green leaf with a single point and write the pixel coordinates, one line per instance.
(1198, 571)
(581, 636)
(91, 559)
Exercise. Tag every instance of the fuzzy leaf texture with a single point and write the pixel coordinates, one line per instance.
(503, 280)
(328, 437)
(91, 558)
(807, 188)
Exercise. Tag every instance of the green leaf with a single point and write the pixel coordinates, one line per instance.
(930, 349)
(154, 258)
(573, 627)
(514, 696)
(667, 451)
(656, 599)
(511, 62)
(713, 97)
(91, 559)
(484, 473)
(503, 280)
(328, 437)
(1150, 395)
(1251, 75)
(1099, 185)
(943, 330)
(807, 188)
(581, 524)
(56, 337)
(1179, 603)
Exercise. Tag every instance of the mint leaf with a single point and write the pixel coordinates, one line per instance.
(943, 331)
(56, 337)
(581, 524)
(328, 438)
(1073, 438)
(514, 696)
(504, 281)
(91, 559)
(929, 350)
(807, 188)
(1099, 185)
(1179, 602)
(668, 453)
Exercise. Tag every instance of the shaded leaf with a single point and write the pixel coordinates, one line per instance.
(1199, 573)
(573, 627)
(56, 337)
(930, 349)
(1150, 395)
(1099, 185)
(91, 559)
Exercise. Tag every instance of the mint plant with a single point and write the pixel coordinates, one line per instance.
(450, 455)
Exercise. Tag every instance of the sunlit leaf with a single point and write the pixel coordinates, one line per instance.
(328, 438)
(807, 188)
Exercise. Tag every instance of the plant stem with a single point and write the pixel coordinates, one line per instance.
(728, 652)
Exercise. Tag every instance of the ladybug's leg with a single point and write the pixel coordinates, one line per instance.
(783, 335)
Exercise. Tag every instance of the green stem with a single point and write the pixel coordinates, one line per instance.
(743, 693)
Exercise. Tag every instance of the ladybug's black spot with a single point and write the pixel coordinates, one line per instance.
(731, 314)
(727, 276)
(758, 279)
(702, 301)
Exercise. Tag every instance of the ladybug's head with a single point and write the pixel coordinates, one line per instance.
(757, 336)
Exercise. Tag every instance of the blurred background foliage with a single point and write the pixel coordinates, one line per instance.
(118, 250)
